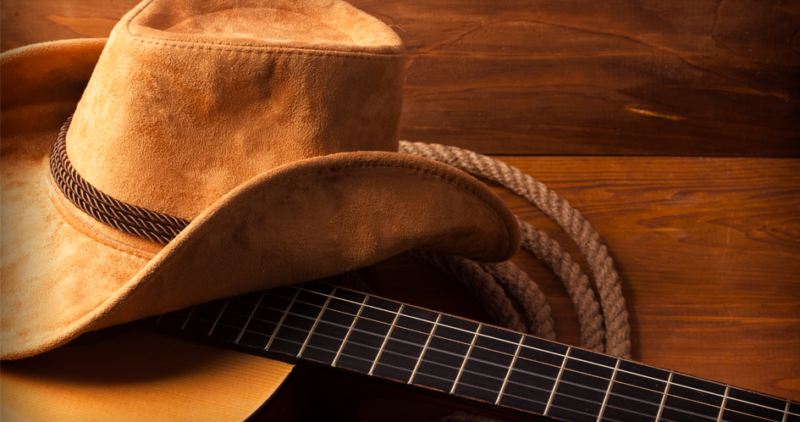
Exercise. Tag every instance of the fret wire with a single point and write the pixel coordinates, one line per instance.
(316, 322)
(724, 402)
(470, 332)
(424, 349)
(497, 339)
(553, 353)
(786, 412)
(188, 317)
(469, 385)
(574, 410)
(445, 379)
(386, 339)
(485, 336)
(407, 342)
(564, 382)
(544, 363)
(720, 395)
(510, 369)
(664, 398)
(575, 359)
(555, 386)
(416, 331)
(624, 409)
(466, 358)
(608, 391)
(349, 330)
(582, 413)
(221, 311)
(443, 325)
(280, 322)
(534, 401)
(250, 318)
(448, 380)
(567, 369)
(526, 399)
(438, 364)
(458, 355)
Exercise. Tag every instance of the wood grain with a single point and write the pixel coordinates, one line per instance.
(138, 376)
(708, 248)
(708, 251)
(622, 77)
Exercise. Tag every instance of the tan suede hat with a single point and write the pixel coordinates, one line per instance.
(267, 128)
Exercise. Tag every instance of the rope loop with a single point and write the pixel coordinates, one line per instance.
(612, 323)
(491, 283)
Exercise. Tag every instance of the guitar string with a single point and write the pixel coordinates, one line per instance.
(448, 366)
(196, 318)
(575, 359)
(709, 417)
(370, 361)
(715, 407)
(547, 390)
(490, 363)
(546, 351)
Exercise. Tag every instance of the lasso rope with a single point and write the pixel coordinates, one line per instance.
(536, 312)
(490, 283)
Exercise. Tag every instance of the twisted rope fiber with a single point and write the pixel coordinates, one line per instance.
(485, 281)
(617, 336)
(151, 225)
(575, 282)
(527, 294)
(524, 291)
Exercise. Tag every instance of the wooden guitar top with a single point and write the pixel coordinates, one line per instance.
(138, 376)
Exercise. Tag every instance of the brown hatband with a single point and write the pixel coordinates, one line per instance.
(485, 279)
(151, 225)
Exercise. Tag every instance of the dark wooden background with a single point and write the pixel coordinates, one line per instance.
(673, 126)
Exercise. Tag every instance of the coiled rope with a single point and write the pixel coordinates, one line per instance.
(490, 282)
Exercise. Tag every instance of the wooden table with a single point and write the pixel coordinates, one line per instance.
(673, 127)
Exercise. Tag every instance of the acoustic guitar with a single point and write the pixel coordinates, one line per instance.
(144, 375)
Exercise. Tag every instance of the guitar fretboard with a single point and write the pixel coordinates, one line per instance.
(406, 344)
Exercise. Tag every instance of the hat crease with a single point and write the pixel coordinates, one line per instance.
(281, 151)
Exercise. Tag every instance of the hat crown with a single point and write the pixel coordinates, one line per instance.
(191, 99)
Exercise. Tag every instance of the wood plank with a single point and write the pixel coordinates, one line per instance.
(615, 78)
(708, 251)
(622, 77)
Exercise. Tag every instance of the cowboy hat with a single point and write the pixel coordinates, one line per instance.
(216, 148)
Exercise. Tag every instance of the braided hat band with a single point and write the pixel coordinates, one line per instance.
(607, 320)
(151, 225)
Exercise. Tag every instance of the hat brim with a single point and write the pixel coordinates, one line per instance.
(62, 276)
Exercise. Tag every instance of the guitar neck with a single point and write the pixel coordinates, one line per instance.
(382, 338)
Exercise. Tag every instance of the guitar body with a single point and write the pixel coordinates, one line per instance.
(141, 375)
(144, 375)
(138, 376)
